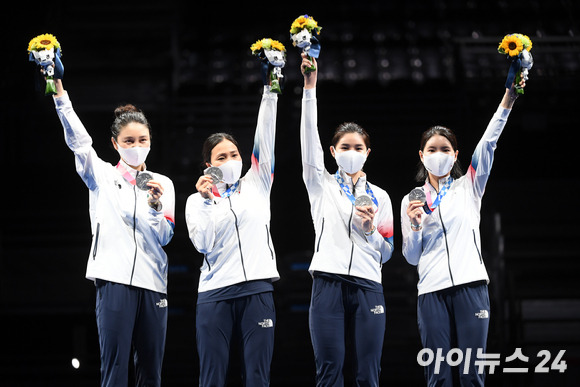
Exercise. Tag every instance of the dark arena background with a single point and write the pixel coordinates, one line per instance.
(395, 68)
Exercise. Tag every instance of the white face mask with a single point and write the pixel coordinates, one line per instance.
(134, 156)
(350, 161)
(439, 163)
(232, 171)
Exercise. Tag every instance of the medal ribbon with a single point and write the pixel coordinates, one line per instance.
(126, 175)
(350, 196)
(227, 192)
(434, 204)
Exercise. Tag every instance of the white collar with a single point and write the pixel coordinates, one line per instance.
(132, 171)
(442, 181)
(348, 180)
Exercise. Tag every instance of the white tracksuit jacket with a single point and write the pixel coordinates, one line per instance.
(233, 232)
(447, 250)
(128, 235)
(341, 246)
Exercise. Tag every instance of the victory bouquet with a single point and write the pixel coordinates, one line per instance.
(272, 54)
(45, 51)
(304, 34)
(517, 48)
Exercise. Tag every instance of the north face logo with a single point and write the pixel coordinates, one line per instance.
(267, 323)
(162, 303)
(482, 314)
(378, 309)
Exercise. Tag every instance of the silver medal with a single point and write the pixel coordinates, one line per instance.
(417, 194)
(363, 201)
(142, 179)
(215, 173)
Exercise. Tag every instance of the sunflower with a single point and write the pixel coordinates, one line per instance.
(256, 46)
(298, 24)
(267, 44)
(307, 22)
(32, 43)
(43, 42)
(511, 45)
(276, 45)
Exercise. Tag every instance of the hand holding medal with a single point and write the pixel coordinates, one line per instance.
(215, 173)
(144, 181)
(364, 209)
(205, 183)
(418, 194)
(304, 32)
(273, 56)
(45, 51)
(517, 48)
(417, 207)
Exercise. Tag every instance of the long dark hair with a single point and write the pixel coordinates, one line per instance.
(350, 127)
(210, 143)
(125, 115)
(456, 171)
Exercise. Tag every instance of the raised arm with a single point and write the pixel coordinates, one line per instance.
(77, 138)
(482, 158)
(312, 153)
(264, 141)
(59, 88)
(510, 96)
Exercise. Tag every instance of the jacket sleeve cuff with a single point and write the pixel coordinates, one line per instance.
(309, 94)
(268, 93)
(502, 113)
(376, 240)
(61, 101)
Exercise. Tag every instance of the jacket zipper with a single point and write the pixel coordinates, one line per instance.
(476, 247)
(268, 242)
(351, 242)
(239, 240)
(320, 237)
(446, 247)
(96, 241)
(134, 231)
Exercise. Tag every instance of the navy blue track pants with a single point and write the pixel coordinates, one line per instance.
(250, 320)
(338, 311)
(130, 320)
(455, 318)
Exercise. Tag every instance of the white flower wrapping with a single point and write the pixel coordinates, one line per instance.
(45, 58)
(302, 39)
(527, 62)
(275, 57)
